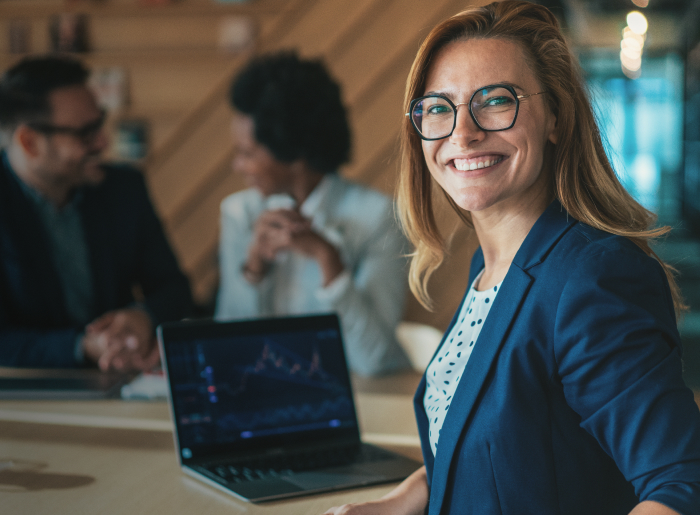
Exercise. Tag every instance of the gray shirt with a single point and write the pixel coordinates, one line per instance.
(69, 250)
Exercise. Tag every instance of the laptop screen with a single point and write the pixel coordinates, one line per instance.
(245, 386)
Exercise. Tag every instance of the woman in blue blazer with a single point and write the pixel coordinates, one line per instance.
(557, 388)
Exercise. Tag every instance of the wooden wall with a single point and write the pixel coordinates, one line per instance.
(179, 79)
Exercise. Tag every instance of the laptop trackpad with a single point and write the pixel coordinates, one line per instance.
(335, 477)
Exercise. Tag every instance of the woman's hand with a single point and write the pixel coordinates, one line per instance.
(380, 507)
(409, 498)
(652, 508)
(286, 229)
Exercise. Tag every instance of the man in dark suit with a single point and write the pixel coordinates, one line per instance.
(77, 238)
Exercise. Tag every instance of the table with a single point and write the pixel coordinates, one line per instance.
(114, 457)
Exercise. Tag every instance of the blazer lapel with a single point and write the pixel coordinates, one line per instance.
(548, 229)
(477, 264)
(422, 423)
(491, 338)
(36, 280)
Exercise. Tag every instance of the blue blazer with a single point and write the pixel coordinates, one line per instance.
(572, 401)
(126, 247)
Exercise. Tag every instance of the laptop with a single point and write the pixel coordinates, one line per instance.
(263, 409)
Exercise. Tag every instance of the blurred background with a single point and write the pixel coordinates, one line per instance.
(162, 68)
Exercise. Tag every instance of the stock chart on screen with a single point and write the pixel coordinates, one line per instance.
(253, 386)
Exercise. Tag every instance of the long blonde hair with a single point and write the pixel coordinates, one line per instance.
(583, 179)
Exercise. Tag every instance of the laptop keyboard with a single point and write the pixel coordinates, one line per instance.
(288, 464)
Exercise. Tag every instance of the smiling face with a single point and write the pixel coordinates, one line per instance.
(255, 162)
(487, 171)
(65, 159)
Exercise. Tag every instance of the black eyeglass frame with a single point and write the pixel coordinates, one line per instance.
(469, 105)
(85, 134)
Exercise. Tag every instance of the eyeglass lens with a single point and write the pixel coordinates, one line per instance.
(86, 134)
(90, 131)
(493, 108)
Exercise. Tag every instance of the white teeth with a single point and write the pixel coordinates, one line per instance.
(463, 166)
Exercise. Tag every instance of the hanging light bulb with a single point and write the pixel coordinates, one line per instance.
(631, 46)
(641, 3)
(632, 63)
(629, 34)
(630, 73)
(637, 22)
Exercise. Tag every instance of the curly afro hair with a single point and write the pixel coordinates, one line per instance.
(296, 108)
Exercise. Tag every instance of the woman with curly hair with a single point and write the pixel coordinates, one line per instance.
(302, 239)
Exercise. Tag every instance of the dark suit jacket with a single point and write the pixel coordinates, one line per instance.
(572, 401)
(126, 245)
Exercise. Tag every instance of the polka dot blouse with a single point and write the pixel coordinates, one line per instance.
(445, 371)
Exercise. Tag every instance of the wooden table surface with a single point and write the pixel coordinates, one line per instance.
(117, 457)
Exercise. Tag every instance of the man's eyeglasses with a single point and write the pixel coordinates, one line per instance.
(86, 134)
(493, 108)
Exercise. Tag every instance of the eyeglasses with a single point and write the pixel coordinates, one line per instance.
(86, 134)
(493, 108)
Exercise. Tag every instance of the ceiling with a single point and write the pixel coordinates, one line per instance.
(679, 7)
(563, 8)
(655, 6)
(590, 20)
